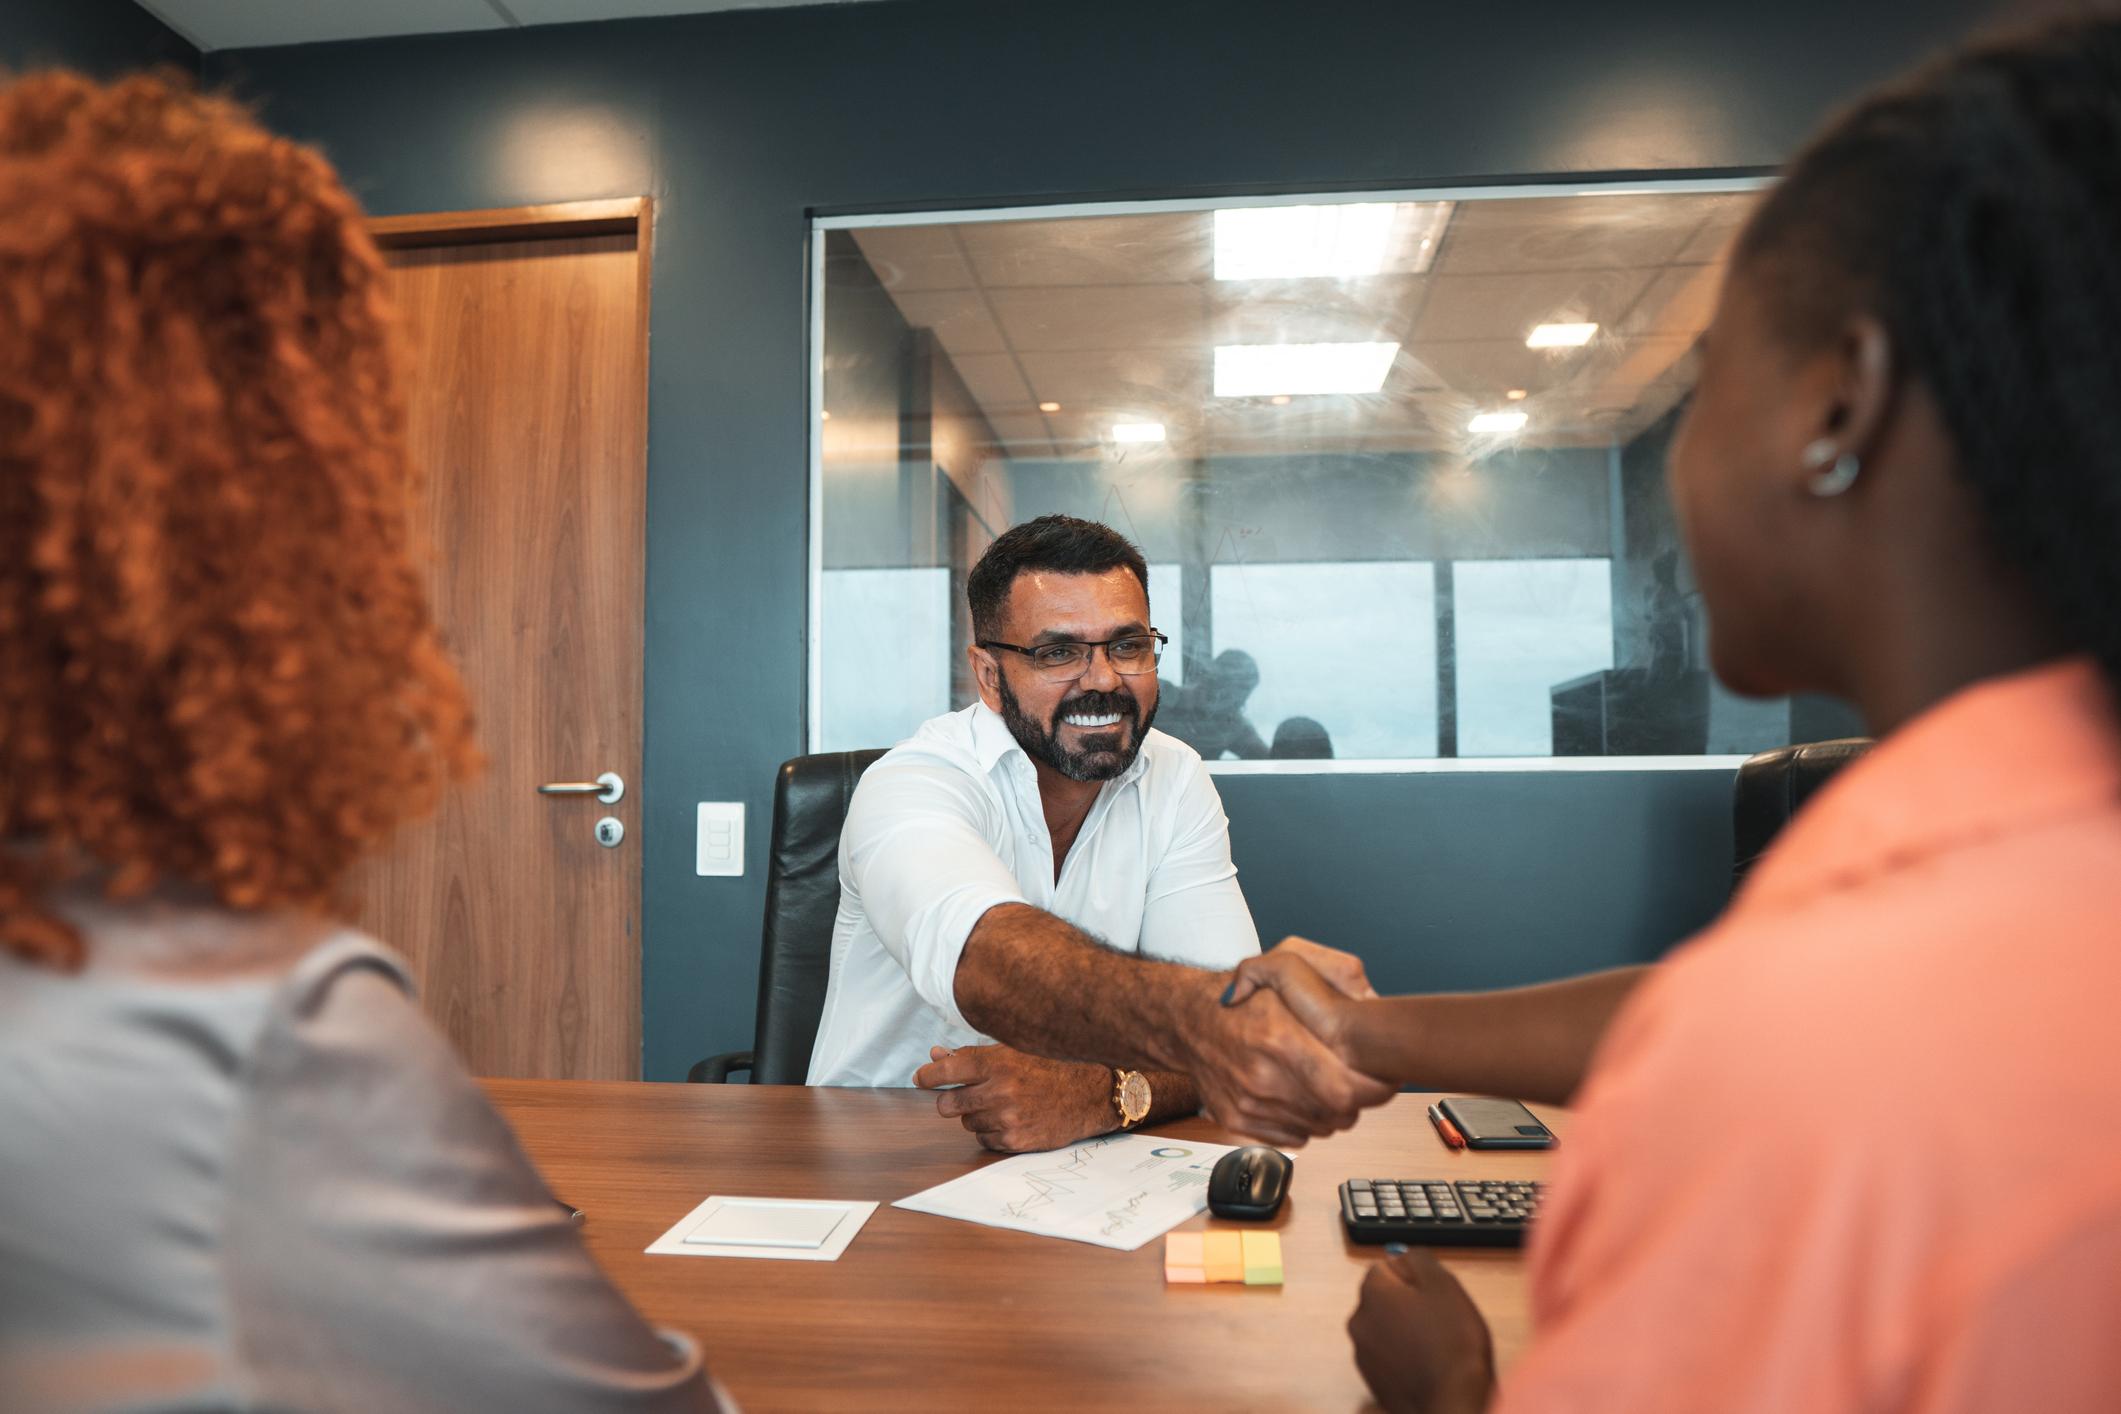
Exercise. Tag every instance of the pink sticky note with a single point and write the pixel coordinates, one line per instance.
(1182, 1259)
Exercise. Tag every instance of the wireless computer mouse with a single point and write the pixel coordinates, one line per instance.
(1249, 1183)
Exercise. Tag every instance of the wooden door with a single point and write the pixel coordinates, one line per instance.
(528, 333)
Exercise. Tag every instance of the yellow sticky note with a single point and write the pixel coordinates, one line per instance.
(1262, 1258)
(1222, 1256)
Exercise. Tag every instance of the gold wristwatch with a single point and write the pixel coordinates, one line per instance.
(1130, 1096)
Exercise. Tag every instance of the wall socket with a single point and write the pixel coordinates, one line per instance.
(721, 842)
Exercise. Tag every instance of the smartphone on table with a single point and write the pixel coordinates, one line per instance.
(1496, 1124)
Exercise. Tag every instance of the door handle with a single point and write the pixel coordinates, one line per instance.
(607, 788)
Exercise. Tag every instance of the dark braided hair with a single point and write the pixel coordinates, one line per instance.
(1975, 209)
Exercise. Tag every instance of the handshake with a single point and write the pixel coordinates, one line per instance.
(1278, 1060)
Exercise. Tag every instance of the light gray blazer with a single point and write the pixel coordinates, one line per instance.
(238, 1169)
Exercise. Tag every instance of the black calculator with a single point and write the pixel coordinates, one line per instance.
(1468, 1212)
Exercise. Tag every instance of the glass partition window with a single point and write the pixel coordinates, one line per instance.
(891, 663)
(1521, 627)
(1396, 462)
(1369, 628)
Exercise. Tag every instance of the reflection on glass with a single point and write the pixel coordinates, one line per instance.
(1523, 626)
(1397, 466)
(1348, 648)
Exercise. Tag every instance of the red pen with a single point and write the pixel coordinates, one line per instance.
(1451, 1137)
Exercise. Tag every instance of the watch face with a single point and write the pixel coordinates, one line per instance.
(1133, 1095)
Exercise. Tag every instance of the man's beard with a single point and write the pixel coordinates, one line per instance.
(1103, 754)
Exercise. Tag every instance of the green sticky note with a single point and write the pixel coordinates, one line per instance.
(1262, 1258)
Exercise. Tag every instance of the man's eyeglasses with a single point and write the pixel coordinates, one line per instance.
(1065, 660)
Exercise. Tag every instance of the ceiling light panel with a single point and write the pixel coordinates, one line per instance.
(1560, 336)
(1265, 370)
(1137, 432)
(1497, 422)
(1346, 241)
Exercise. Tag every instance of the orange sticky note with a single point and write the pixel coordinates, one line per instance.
(1223, 1256)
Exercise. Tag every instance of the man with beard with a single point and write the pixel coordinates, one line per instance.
(1038, 913)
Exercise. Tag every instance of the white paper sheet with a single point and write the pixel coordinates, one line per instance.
(1120, 1191)
(788, 1229)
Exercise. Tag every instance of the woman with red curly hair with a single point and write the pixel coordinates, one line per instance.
(239, 1168)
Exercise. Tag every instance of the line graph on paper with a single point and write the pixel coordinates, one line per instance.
(1043, 1185)
(1127, 1213)
(1118, 1191)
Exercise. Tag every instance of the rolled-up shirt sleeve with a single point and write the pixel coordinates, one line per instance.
(1194, 911)
(917, 852)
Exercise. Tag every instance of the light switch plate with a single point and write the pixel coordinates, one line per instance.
(721, 841)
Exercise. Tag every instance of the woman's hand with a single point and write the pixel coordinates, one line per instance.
(1419, 1342)
(1322, 986)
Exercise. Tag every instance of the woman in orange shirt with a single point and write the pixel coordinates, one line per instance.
(1858, 1147)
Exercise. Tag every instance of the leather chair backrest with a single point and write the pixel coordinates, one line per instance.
(810, 799)
(1773, 786)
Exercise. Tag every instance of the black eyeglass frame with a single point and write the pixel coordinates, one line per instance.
(1163, 641)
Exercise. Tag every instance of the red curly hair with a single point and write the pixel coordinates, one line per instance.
(217, 662)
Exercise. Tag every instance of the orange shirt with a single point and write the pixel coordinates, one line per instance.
(1858, 1146)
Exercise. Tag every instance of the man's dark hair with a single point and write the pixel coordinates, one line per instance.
(1053, 545)
(1975, 210)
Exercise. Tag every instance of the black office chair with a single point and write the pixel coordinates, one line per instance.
(810, 799)
(1773, 786)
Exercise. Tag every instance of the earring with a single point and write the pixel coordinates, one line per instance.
(1833, 472)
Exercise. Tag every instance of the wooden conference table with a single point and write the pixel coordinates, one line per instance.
(924, 1312)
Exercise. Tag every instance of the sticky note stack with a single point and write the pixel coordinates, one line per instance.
(1252, 1258)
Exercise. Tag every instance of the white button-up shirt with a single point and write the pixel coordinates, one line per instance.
(948, 825)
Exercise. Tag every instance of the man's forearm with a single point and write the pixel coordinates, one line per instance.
(1533, 1043)
(1171, 1096)
(1039, 984)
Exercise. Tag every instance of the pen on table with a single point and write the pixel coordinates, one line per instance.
(1448, 1131)
(574, 1214)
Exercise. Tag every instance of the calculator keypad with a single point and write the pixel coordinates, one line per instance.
(1477, 1210)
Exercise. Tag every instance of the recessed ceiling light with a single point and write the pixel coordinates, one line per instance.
(1262, 370)
(1497, 422)
(1515, 395)
(827, 416)
(1560, 336)
(1280, 400)
(1343, 241)
(1049, 407)
(1137, 432)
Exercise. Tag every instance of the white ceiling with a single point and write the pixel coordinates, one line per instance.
(248, 24)
(1117, 319)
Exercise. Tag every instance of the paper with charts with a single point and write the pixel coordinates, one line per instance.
(1120, 1191)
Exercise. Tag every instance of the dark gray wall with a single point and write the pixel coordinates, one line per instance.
(743, 124)
(99, 37)
(1451, 880)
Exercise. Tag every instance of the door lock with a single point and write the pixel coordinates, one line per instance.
(610, 830)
